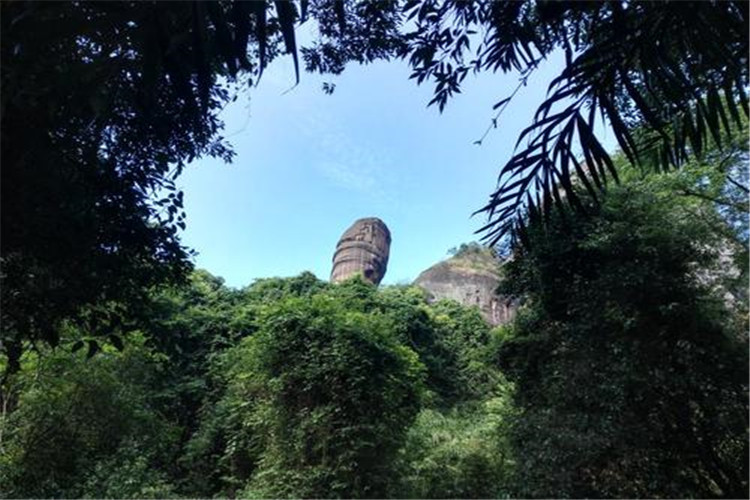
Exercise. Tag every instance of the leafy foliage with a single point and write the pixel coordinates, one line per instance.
(636, 64)
(91, 214)
(461, 454)
(87, 428)
(467, 249)
(464, 334)
(83, 223)
(631, 380)
(362, 31)
(678, 70)
(294, 387)
(338, 331)
(325, 394)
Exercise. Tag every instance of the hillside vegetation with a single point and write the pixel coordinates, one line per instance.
(624, 374)
(621, 367)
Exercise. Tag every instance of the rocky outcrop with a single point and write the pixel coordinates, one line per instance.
(470, 278)
(362, 249)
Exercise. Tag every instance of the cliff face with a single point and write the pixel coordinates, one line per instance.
(363, 248)
(471, 279)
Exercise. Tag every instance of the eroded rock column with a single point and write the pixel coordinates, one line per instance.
(362, 249)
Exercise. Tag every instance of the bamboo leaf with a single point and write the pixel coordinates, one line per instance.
(339, 9)
(223, 36)
(259, 12)
(241, 18)
(287, 17)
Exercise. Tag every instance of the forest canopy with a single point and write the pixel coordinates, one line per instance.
(127, 373)
(623, 374)
(91, 215)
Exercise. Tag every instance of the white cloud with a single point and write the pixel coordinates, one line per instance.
(353, 165)
(347, 176)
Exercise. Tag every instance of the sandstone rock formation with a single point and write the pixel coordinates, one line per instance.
(470, 278)
(363, 248)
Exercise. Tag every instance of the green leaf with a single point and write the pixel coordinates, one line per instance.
(117, 342)
(259, 11)
(93, 348)
(287, 16)
(223, 36)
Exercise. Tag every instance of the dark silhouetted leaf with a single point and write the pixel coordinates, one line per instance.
(287, 17)
(117, 342)
(93, 348)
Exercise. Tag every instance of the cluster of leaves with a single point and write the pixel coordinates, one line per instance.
(626, 376)
(460, 453)
(636, 64)
(318, 400)
(631, 375)
(679, 70)
(290, 387)
(80, 166)
(468, 249)
(88, 427)
(91, 213)
(362, 31)
(333, 392)
(114, 425)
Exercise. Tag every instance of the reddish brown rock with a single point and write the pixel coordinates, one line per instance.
(362, 249)
(470, 278)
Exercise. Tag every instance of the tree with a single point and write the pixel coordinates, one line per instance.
(88, 428)
(80, 225)
(636, 63)
(103, 104)
(320, 359)
(631, 375)
(679, 69)
(317, 401)
(462, 453)
(189, 325)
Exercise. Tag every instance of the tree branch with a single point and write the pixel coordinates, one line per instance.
(688, 192)
(743, 188)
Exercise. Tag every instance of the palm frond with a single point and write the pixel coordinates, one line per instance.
(644, 65)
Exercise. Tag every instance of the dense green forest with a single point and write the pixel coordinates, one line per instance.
(126, 373)
(623, 375)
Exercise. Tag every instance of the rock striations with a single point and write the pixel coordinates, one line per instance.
(470, 278)
(362, 249)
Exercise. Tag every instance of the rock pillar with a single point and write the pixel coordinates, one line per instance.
(362, 249)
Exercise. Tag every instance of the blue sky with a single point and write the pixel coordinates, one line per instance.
(309, 164)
